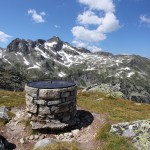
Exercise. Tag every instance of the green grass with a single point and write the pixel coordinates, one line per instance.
(2, 123)
(12, 99)
(117, 110)
(60, 146)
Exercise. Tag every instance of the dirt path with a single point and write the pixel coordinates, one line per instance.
(83, 133)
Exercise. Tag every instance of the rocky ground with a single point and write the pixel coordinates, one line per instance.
(18, 131)
(138, 131)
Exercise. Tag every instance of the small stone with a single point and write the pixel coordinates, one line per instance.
(31, 137)
(22, 141)
(44, 142)
(99, 99)
(41, 137)
(68, 135)
(75, 132)
(36, 137)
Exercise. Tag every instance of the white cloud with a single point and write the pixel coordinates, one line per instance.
(88, 35)
(96, 22)
(94, 48)
(109, 23)
(144, 19)
(56, 26)
(89, 17)
(105, 5)
(38, 18)
(4, 37)
(90, 47)
(79, 43)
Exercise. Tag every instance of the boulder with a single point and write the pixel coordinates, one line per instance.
(44, 142)
(3, 113)
(138, 131)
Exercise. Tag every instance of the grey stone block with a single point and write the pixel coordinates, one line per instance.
(44, 110)
(30, 107)
(40, 102)
(65, 94)
(31, 91)
(54, 102)
(3, 113)
(49, 94)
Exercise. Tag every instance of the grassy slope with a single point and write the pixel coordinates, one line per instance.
(12, 99)
(116, 110)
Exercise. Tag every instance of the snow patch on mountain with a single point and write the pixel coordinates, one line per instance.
(50, 44)
(25, 61)
(61, 74)
(19, 53)
(130, 74)
(7, 61)
(126, 68)
(34, 67)
(41, 52)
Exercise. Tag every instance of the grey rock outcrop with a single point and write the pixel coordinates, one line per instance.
(138, 131)
(3, 113)
(44, 142)
(111, 90)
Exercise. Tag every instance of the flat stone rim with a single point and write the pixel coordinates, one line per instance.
(55, 84)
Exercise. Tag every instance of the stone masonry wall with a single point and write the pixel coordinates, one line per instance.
(51, 108)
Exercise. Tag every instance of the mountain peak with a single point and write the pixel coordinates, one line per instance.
(54, 38)
(18, 45)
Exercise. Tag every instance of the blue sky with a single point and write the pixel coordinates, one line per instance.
(116, 26)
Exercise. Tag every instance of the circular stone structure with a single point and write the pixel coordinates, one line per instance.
(51, 104)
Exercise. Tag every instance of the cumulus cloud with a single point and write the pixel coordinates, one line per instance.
(4, 37)
(89, 17)
(105, 5)
(89, 46)
(96, 21)
(109, 23)
(38, 18)
(85, 34)
(144, 19)
(94, 48)
(80, 43)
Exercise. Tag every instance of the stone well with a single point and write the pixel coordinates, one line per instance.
(51, 104)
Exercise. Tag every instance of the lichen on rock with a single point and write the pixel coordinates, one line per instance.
(138, 131)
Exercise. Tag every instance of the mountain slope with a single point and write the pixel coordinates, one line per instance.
(55, 59)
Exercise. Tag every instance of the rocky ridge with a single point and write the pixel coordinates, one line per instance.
(25, 60)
